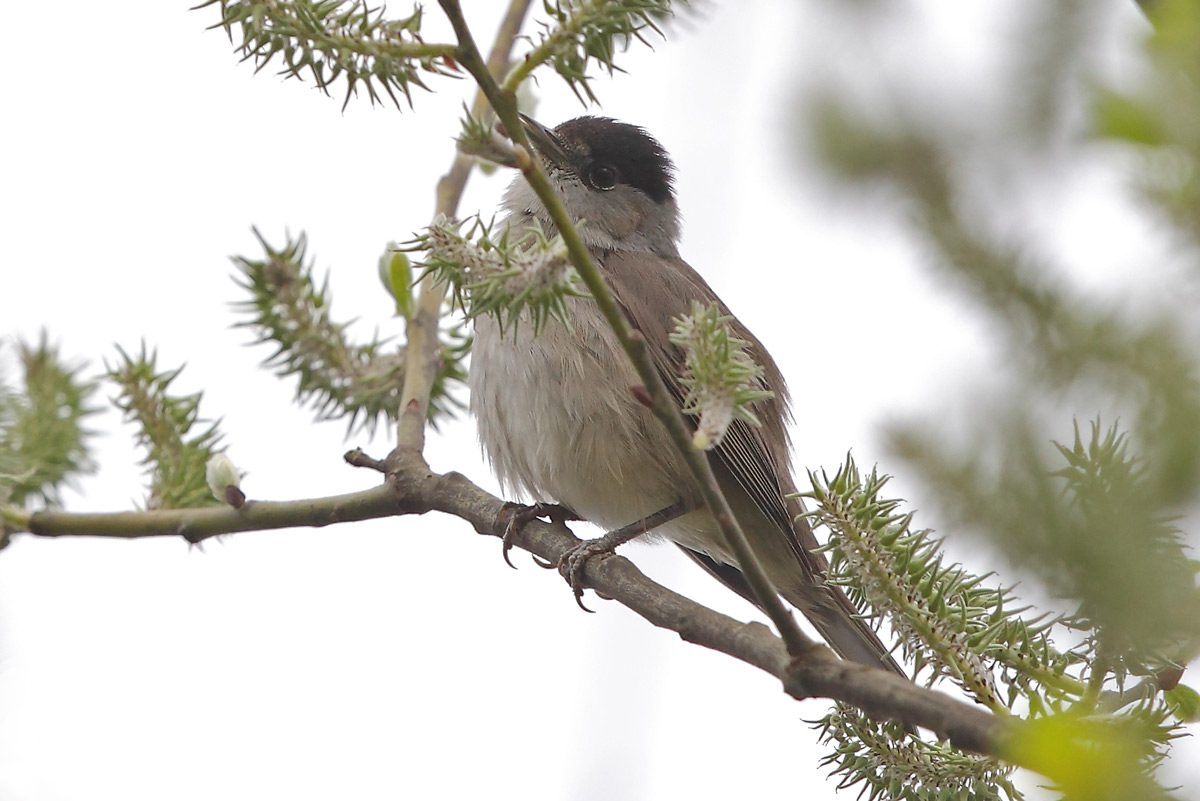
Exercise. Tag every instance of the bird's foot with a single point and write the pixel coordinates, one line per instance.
(572, 563)
(520, 515)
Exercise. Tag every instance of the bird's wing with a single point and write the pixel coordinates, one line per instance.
(757, 458)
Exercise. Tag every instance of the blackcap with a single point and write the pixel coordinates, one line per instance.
(558, 420)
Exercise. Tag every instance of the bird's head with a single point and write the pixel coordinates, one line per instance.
(613, 176)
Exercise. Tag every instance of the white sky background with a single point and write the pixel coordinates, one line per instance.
(401, 658)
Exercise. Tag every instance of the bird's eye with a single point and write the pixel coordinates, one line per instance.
(602, 177)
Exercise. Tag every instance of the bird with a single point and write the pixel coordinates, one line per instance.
(559, 423)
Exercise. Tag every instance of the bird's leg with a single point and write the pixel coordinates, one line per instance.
(573, 562)
(519, 515)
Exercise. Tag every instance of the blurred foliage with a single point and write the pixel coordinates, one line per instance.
(362, 383)
(1092, 531)
(43, 439)
(1092, 516)
(957, 626)
(178, 447)
(1158, 122)
(1092, 758)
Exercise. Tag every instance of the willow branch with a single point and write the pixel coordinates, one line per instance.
(504, 103)
(196, 525)
(421, 331)
(412, 488)
(878, 692)
(536, 58)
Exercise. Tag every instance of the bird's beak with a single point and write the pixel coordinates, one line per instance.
(547, 143)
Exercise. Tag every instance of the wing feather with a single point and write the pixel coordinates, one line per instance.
(760, 468)
(757, 458)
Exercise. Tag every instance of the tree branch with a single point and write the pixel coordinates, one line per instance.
(412, 488)
(196, 525)
(818, 674)
(421, 332)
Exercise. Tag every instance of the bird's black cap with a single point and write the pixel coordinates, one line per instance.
(638, 158)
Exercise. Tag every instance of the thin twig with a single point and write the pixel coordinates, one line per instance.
(421, 331)
(196, 525)
(504, 103)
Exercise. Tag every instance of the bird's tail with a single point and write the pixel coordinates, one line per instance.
(841, 626)
(827, 607)
(785, 545)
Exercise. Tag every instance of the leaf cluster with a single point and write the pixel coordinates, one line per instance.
(352, 41)
(481, 139)
(44, 442)
(289, 310)
(1095, 532)
(720, 378)
(526, 276)
(336, 40)
(580, 33)
(893, 764)
(1120, 554)
(178, 442)
(949, 623)
(954, 626)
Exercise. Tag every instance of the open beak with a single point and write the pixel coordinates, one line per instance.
(546, 142)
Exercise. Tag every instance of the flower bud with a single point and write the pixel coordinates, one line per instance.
(395, 273)
(223, 479)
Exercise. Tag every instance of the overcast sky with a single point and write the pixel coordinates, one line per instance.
(402, 658)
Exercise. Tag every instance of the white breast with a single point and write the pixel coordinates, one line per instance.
(557, 419)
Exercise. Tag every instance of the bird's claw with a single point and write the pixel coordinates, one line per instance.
(519, 515)
(573, 563)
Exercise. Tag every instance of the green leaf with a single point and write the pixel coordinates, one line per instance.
(1176, 35)
(1127, 119)
(1088, 760)
(395, 270)
(1184, 703)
